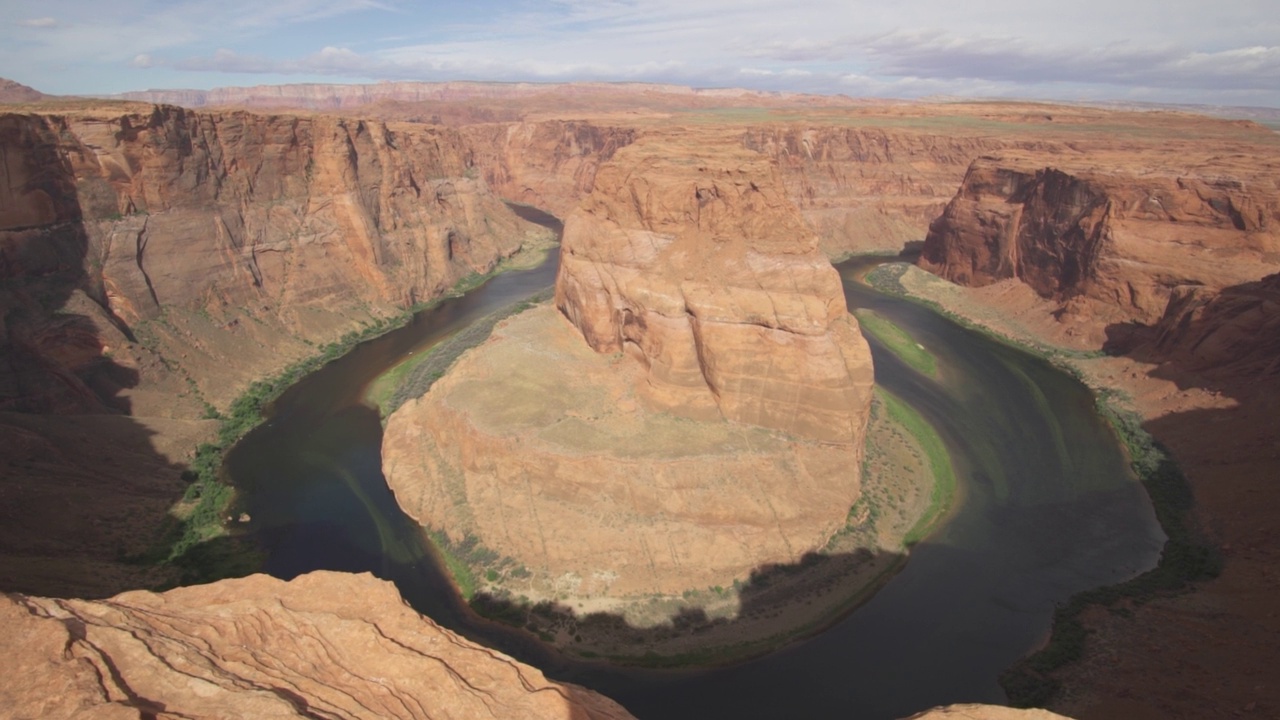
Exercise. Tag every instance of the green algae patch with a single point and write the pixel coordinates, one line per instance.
(898, 342)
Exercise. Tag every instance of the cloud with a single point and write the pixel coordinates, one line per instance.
(938, 55)
(1174, 48)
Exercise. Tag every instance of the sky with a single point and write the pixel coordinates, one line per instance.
(1174, 51)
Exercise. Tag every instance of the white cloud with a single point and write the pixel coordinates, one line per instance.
(1178, 48)
(41, 22)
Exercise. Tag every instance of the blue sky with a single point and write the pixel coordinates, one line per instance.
(1161, 51)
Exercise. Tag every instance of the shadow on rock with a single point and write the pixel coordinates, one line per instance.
(86, 490)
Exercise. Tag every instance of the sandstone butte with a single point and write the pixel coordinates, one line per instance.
(698, 410)
(83, 334)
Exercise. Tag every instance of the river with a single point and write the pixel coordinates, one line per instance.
(1046, 508)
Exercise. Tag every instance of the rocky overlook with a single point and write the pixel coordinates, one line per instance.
(327, 644)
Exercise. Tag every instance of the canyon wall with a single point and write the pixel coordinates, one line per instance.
(185, 228)
(322, 645)
(690, 259)
(550, 164)
(156, 261)
(873, 187)
(1113, 244)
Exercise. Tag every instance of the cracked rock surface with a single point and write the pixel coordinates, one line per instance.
(324, 645)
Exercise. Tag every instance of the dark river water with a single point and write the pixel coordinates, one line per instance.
(1046, 508)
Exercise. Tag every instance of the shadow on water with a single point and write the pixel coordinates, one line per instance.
(1048, 509)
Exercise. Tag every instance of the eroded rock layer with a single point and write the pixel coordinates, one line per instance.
(689, 258)
(539, 449)
(322, 645)
(155, 261)
(1114, 243)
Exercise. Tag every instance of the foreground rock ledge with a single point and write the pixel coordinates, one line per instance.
(322, 645)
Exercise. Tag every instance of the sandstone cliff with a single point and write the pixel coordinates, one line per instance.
(876, 187)
(1114, 244)
(1231, 333)
(690, 259)
(191, 223)
(156, 261)
(322, 96)
(322, 645)
(550, 164)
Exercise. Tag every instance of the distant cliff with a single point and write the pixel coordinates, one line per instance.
(1115, 243)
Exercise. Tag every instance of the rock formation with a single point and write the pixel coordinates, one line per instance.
(875, 187)
(321, 96)
(156, 261)
(550, 164)
(1112, 243)
(614, 473)
(322, 645)
(1234, 332)
(694, 263)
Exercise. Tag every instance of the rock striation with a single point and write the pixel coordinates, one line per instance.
(700, 414)
(1113, 244)
(155, 261)
(695, 264)
(308, 224)
(1234, 332)
(322, 645)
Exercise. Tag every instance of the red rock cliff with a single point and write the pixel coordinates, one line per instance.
(179, 224)
(322, 645)
(1120, 240)
(690, 259)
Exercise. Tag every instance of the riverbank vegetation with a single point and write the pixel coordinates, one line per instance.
(417, 373)
(1188, 554)
(200, 541)
(897, 342)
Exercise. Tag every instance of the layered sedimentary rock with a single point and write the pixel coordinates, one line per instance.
(155, 261)
(1233, 332)
(693, 262)
(322, 645)
(703, 414)
(1116, 243)
(550, 164)
(320, 96)
(189, 223)
(875, 187)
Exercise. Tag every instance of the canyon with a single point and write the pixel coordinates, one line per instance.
(157, 260)
(697, 409)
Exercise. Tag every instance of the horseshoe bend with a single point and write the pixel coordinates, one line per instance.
(693, 407)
